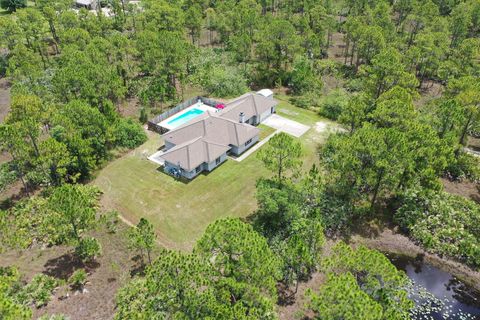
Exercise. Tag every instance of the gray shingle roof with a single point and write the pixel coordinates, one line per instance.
(251, 104)
(206, 137)
(193, 153)
(214, 128)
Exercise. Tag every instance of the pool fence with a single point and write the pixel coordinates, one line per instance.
(153, 125)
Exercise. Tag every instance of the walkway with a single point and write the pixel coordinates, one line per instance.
(157, 157)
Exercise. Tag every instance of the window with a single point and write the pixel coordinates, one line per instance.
(248, 142)
(217, 161)
(198, 169)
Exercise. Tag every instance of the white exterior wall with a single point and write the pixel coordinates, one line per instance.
(241, 149)
(265, 115)
(212, 165)
(192, 174)
(187, 174)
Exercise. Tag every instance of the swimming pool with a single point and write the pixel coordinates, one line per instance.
(185, 117)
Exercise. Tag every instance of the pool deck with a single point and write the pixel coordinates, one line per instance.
(199, 105)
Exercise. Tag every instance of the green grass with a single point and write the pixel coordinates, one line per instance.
(265, 131)
(181, 211)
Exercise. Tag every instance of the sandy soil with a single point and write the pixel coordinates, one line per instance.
(4, 98)
(105, 277)
(295, 308)
(467, 189)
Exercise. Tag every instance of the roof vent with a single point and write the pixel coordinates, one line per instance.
(241, 117)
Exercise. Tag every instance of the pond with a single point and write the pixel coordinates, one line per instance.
(448, 297)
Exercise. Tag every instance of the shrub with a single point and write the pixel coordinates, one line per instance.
(143, 115)
(10, 306)
(7, 175)
(39, 290)
(110, 219)
(78, 279)
(465, 166)
(307, 100)
(225, 82)
(443, 223)
(333, 104)
(303, 78)
(217, 73)
(87, 249)
(336, 214)
(128, 133)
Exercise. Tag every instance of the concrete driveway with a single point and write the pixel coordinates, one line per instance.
(286, 125)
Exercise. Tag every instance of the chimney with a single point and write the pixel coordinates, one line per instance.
(241, 117)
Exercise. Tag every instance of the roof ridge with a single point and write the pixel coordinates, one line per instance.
(255, 104)
(188, 153)
(182, 145)
(215, 143)
(207, 149)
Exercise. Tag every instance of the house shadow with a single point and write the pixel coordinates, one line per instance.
(179, 179)
(64, 266)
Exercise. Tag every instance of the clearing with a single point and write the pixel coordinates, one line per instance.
(181, 211)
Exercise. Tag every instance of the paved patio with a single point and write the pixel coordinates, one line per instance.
(286, 125)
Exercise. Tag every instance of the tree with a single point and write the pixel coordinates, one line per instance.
(341, 297)
(277, 46)
(303, 78)
(385, 72)
(362, 164)
(87, 249)
(361, 282)
(89, 76)
(13, 143)
(282, 153)
(448, 117)
(230, 275)
(27, 113)
(371, 41)
(355, 112)
(142, 237)
(239, 253)
(13, 5)
(193, 21)
(466, 91)
(86, 133)
(53, 161)
(73, 212)
(461, 19)
(422, 15)
(33, 26)
(175, 286)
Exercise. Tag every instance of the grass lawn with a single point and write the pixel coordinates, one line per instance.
(181, 211)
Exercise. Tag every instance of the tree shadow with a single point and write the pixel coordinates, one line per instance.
(64, 266)
(286, 296)
(139, 267)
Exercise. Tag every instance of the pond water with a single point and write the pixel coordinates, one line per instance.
(454, 299)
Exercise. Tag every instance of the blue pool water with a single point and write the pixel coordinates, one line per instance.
(185, 117)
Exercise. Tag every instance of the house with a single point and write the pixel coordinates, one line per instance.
(254, 106)
(202, 144)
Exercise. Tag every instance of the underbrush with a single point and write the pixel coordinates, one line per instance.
(442, 223)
